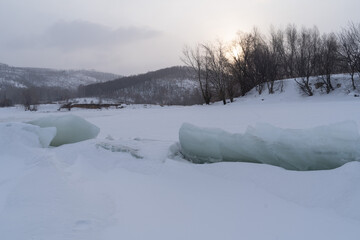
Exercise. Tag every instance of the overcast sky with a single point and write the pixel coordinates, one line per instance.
(130, 37)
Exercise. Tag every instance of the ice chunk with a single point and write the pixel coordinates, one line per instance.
(69, 128)
(22, 134)
(323, 147)
(45, 135)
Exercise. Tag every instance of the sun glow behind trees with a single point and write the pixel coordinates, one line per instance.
(236, 51)
(225, 70)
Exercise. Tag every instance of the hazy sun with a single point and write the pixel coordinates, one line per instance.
(236, 51)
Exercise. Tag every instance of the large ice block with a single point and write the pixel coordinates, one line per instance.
(323, 147)
(69, 128)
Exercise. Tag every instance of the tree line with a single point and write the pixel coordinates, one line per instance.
(31, 96)
(255, 60)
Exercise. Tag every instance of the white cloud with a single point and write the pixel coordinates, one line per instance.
(82, 34)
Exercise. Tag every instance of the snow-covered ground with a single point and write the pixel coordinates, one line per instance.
(130, 183)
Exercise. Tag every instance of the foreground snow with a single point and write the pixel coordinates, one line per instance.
(130, 182)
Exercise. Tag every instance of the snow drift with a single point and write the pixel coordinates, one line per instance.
(69, 128)
(22, 134)
(324, 147)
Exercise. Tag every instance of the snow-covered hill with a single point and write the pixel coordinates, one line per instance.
(20, 77)
(173, 85)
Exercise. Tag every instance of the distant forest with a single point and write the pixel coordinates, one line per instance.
(34, 95)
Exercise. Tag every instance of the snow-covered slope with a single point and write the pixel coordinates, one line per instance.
(288, 89)
(131, 183)
(42, 77)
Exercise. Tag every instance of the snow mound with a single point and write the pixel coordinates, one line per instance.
(324, 147)
(69, 128)
(22, 134)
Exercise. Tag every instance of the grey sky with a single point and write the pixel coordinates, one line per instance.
(129, 37)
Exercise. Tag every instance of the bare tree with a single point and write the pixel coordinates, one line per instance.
(30, 99)
(256, 62)
(238, 55)
(306, 58)
(349, 49)
(245, 58)
(218, 65)
(4, 100)
(232, 86)
(199, 62)
(328, 59)
(291, 34)
(357, 40)
(277, 69)
(261, 61)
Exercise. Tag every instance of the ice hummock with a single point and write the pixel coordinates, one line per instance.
(323, 147)
(69, 128)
